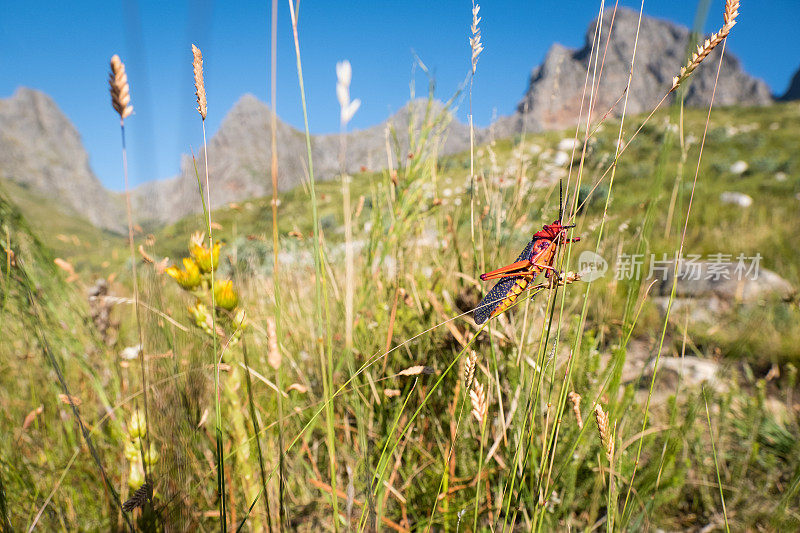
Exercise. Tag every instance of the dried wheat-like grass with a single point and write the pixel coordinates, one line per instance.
(731, 12)
(603, 429)
(415, 370)
(120, 90)
(199, 85)
(69, 400)
(575, 398)
(274, 353)
(139, 498)
(469, 369)
(475, 41)
(478, 397)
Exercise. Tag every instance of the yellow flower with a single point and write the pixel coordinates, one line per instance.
(137, 426)
(152, 456)
(136, 476)
(189, 278)
(132, 450)
(201, 317)
(206, 259)
(224, 294)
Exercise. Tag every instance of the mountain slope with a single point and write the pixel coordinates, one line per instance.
(556, 87)
(42, 150)
(793, 92)
(240, 152)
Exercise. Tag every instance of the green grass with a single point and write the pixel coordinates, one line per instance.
(392, 454)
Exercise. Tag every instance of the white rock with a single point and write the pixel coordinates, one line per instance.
(560, 159)
(780, 176)
(739, 167)
(131, 352)
(567, 144)
(737, 198)
(693, 370)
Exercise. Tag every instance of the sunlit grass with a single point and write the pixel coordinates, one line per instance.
(380, 434)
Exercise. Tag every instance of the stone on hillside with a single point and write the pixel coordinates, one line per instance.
(567, 144)
(741, 281)
(561, 159)
(736, 198)
(739, 167)
(689, 371)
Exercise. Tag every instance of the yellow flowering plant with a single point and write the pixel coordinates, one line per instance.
(225, 295)
(207, 260)
(189, 277)
(195, 277)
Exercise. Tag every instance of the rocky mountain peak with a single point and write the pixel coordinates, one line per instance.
(793, 92)
(555, 88)
(240, 155)
(41, 149)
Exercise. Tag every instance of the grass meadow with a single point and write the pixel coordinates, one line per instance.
(309, 360)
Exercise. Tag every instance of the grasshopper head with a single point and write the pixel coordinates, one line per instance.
(554, 231)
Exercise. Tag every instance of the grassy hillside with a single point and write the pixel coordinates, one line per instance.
(317, 433)
(64, 232)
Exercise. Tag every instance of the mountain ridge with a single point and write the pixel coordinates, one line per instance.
(239, 152)
(40, 148)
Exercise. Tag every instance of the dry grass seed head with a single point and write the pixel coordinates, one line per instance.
(729, 18)
(575, 398)
(199, 85)
(469, 369)
(120, 90)
(415, 370)
(475, 40)
(478, 397)
(604, 431)
(139, 498)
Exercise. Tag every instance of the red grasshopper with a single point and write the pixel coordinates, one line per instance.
(538, 256)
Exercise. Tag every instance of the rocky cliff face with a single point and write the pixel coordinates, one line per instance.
(556, 87)
(239, 157)
(793, 92)
(42, 150)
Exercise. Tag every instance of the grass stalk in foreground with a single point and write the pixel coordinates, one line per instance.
(120, 101)
(202, 108)
(46, 349)
(716, 464)
(319, 280)
(731, 12)
(479, 407)
(477, 48)
(276, 287)
(348, 109)
(560, 405)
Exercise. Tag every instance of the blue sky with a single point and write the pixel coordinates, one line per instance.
(63, 48)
